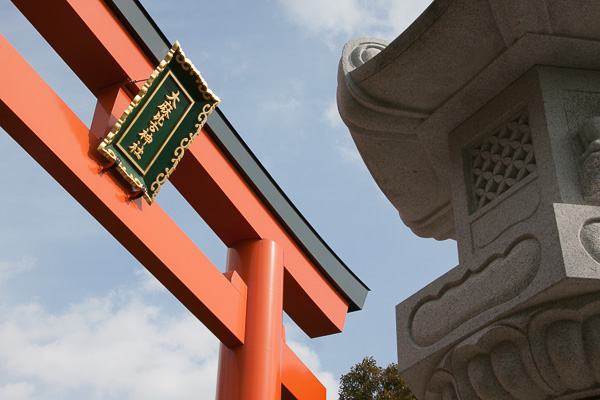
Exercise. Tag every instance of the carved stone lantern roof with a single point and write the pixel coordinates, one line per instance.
(481, 122)
(401, 99)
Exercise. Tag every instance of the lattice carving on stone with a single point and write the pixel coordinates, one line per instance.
(501, 160)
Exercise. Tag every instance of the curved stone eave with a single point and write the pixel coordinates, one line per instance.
(399, 164)
(451, 61)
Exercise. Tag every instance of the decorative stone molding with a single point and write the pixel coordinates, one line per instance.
(518, 205)
(549, 352)
(554, 256)
(471, 295)
(361, 50)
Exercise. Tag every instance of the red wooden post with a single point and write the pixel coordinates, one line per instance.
(252, 371)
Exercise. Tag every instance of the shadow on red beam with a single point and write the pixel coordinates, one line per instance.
(53, 135)
(89, 38)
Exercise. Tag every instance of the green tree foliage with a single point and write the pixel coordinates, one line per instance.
(368, 381)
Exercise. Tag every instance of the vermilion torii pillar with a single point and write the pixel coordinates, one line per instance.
(276, 261)
(255, 365)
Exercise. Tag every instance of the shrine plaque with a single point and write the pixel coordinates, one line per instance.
(151, 136)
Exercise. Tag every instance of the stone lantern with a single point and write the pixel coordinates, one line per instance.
(481, 123)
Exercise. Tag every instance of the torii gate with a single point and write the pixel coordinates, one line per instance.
(276, 261)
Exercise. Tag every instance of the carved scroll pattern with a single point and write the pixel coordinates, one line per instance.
(501, 160)
(497, 281)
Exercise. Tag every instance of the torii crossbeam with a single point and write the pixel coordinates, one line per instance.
(276, 261)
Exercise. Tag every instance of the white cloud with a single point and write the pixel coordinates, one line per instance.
(344, 146)
(114, 347)
(380, 18)
(350, 155)
(10, 269)
(17, 391)
(148, 283)
(117, 346)
(331, 116)
(285, 110)
(318, 16)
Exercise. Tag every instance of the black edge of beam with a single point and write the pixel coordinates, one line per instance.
(143, 28)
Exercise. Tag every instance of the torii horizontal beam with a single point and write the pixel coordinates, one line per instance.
(104, 56)
(55, 137)
(219, 177)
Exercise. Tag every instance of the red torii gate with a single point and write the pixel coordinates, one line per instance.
(275, 262)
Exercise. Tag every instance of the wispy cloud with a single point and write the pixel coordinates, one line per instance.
(10, 269)
(111, 347)
(17, 391)
(285, 111)
(117, 346)
(381, 18)
(332, 16)
(343, 145)
(331, 116)
(147, 282)
(350, 155)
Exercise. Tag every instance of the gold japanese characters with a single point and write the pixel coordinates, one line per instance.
(149, 140)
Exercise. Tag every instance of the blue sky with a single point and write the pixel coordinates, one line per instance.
(80, 317)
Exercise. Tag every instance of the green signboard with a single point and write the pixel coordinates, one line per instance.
(149, 139)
